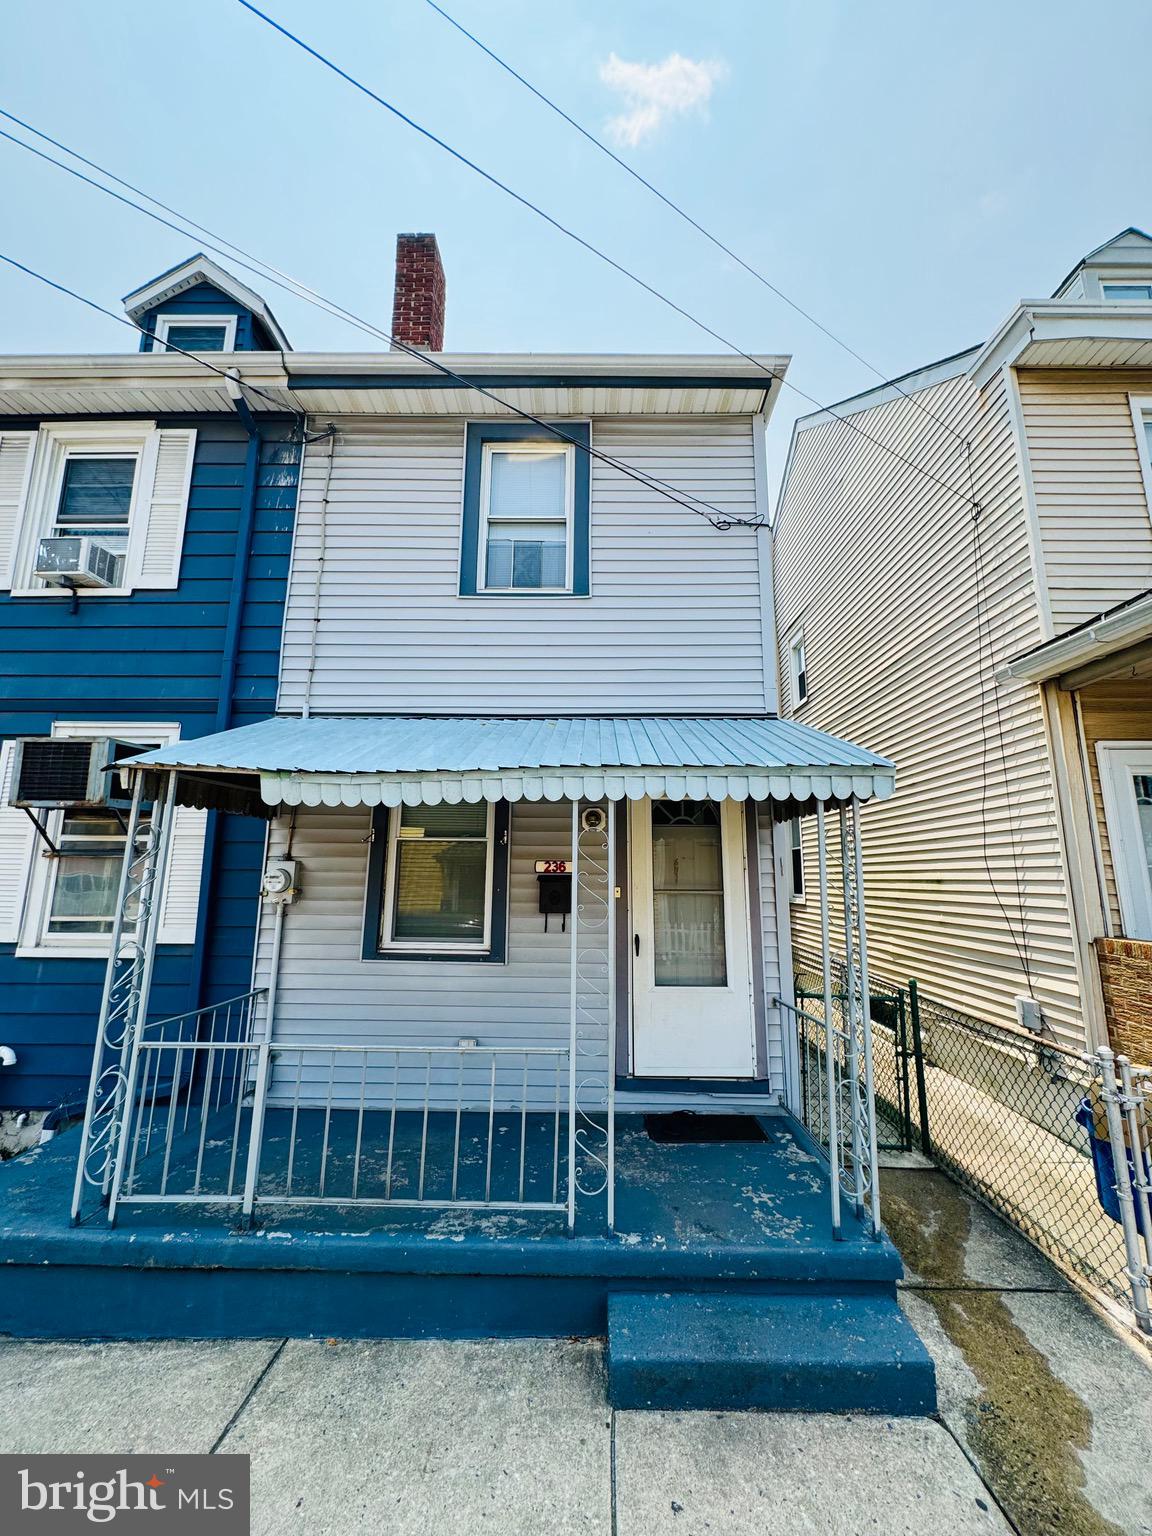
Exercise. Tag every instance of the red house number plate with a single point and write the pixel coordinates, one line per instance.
(553, 867)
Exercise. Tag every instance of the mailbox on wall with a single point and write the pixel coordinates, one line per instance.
(554, 877)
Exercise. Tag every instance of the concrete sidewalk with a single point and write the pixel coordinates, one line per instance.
(1046, 1414)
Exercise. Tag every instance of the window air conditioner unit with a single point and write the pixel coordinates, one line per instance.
(77, 560)
(48, 773)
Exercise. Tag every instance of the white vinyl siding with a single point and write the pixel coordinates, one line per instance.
(880, 563)
(1092, 501)
(327, 991)
(672, 624)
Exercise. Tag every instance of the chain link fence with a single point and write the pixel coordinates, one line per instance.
(998, 1109)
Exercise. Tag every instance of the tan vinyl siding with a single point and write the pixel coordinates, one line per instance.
(1117, 710)
(673, 622)
(963, 868)
(1091, 499)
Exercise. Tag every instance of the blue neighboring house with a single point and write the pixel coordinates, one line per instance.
(146, 514)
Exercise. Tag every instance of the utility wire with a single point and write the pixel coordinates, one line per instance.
(169, 346)
(587, 245)
(715, 515)
(685, 215)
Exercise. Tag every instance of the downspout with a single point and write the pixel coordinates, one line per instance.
(230, 660)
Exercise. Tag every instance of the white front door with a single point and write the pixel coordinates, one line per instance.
(692, 1012)
(1126, 785)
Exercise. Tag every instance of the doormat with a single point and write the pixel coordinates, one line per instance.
(684, 1126)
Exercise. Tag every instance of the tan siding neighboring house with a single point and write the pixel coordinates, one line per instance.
(909, 605)
(1091, 500)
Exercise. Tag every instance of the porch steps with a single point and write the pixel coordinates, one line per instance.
(802, 1354)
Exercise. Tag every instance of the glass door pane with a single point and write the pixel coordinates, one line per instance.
(1142, 784)
(688, 894)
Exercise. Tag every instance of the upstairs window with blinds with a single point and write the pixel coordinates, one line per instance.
(108, 498)
(96, 500)
(525, 529)
(527, 499)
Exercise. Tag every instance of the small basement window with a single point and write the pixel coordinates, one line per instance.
(196, 333)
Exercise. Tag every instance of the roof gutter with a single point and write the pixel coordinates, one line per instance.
(1091, 642)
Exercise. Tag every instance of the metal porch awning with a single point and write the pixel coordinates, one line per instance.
(429, 760)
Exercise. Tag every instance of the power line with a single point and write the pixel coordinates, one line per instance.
(701, 508)
(685, 215)
(169, 346)
(587, 245)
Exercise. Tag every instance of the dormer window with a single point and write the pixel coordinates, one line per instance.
(1126, 293)
(196, 333)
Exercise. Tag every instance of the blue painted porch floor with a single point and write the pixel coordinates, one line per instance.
(738, 1220)
(761, 1207)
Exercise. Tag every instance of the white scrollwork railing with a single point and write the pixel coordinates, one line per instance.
(592, 1046)
(124, 1002)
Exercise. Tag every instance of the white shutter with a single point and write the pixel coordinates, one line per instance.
(17, 846)
(15, 470)
(181, 900)
(165, 506)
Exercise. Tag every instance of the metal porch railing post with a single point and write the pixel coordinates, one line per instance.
(610, 1041)
(852, 1002)
(263, 1064)
(829, 1027)
(151, 896)
(574, 1013)
(103, 1045)
(866, 1004)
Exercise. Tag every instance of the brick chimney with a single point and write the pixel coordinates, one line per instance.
(418, 305)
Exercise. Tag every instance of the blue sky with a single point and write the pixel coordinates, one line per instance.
(905, 171)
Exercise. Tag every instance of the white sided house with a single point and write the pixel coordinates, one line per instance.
(525, 939)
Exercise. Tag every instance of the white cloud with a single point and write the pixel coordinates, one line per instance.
(655, 92)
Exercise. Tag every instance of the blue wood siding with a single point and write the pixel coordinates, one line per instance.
(152, 656)
(203, 298)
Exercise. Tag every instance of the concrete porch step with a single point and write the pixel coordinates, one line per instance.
(804, 1354)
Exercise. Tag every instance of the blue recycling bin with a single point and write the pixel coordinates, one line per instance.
(1103, 1163)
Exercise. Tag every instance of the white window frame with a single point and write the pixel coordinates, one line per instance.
(1125, 282)
(35, 941)
(56, 443)
(391, 946)
(525, 448)
(796, 850)
(1141, 408)
(165, 322)
(797, 645)
(1117, 762)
